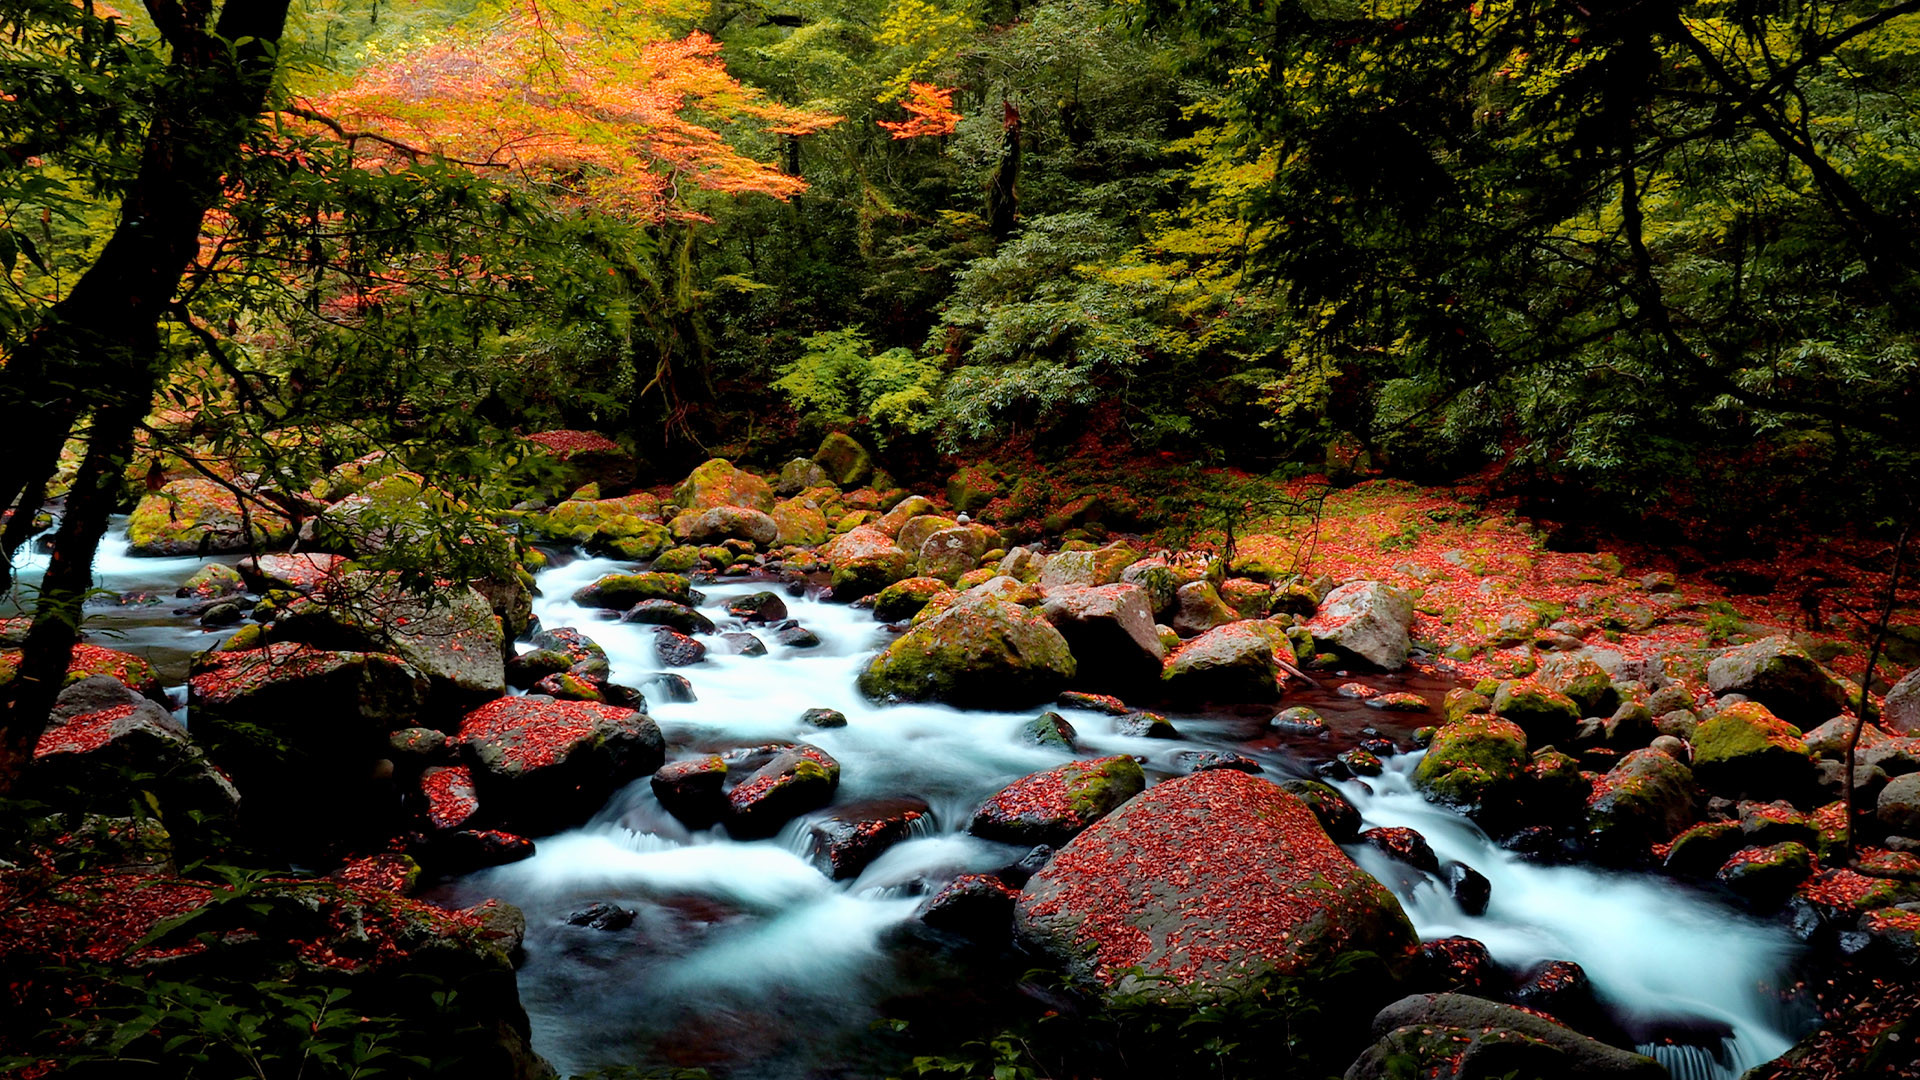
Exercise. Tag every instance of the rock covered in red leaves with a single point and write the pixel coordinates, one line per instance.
(974, 905)
(1214, 880)
(1368, 621)
(1109, 628)
(850, 837)
(864, 561)
(288, 682)
(1646, 799)
(1054, 806)
(544, 764)
(1454, 1037)
(718, 483)
(301, 573)
(88, 660)
(1236, 662)
(99, 728)
(799, 778)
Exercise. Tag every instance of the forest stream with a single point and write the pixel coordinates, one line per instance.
(746, 958)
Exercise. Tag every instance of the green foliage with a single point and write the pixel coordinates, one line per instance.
(839, 380)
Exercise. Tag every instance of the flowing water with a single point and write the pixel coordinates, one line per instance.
(744, 957)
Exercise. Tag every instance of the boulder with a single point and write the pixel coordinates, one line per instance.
(1745, 750)
(1898, 807)
(1368, 621)
(1197, 608)
(301, 573)
(1054, 806)
(1646, 799)
(692, 789)
(1901, 713)
(800, 474)
(541, 764)
(913, 535)
(971, 488)
(1547, 715)
(1237, 662)
(1218, 881)
(1049, 729)
(1474, 765)
(1779, 674)
(134, 671)
(864, 561)
(1161, 582)
(849, 838)
(626, 528)
(675, 649)
(949, 553)
(1098, 567)
(905, 510)
(973, 905)
(718, 523)
(1110, 632)
(1767, 875)
(797, 779)
(800, 522)
(302, 732)
(1582, 680)
(196, 516)
(100, 730)
(902, 600)
(717, 483)
(1457, 1037)
(760, 607)
(845, 461)
(981, 654)
(1336, 815)
(667, 613)
(451, 635)
(623, 591)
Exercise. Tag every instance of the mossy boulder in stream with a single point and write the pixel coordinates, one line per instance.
(1745, 750)
(1054, 806)
(1546, 714)
(1474, 765)
(541, 764)
(983, 653)
(622, 591)
(196, 516)
(1646, 799)
(1457, 1037)
(1217, 881)
(1240, 661)
(902, 600)
(846, 462)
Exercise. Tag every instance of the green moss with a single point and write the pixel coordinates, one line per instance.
(625, 590)
(904, 599)
(1097, 788)
(680, 560)
(1473, 762)
(1461, 703)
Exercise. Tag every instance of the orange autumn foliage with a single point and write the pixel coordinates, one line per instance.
(603, 112)
(929, 112)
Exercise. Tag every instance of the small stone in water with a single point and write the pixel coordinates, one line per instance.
(744, 644)
(797, 637)
(824, 718)
(1298, 720)
(601, 915)
(1400, 701)
(1468, 887)
(1362, 762)
(1145, 725)
(676, 649)
(1193, 761)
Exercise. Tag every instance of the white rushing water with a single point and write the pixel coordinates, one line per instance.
(1652, 947)
(754, 933)
(746, 957)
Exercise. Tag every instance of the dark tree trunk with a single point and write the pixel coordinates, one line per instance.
(98, 349)
(1003, 197)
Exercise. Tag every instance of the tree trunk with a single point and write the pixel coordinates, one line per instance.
(1003, 197)
(98, 349)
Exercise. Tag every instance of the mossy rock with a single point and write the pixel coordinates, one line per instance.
(1779, 674)
(1646, 799)
(984, 654)
(801, 522)
(196, 516)
(213, 580)
(903, 600)
(1054, 806)
(972, 488)
(718, 483)
(1461, 703)
(1582, 680)
(1474, 765)
(1049, 729)
(1745, 750)
(1703, 849)
(845, 461)
(1546, 715)
(1767, 875)
(622, 591)
(975, 577)
(1265, 557)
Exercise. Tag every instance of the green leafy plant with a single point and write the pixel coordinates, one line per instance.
(839, 380)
